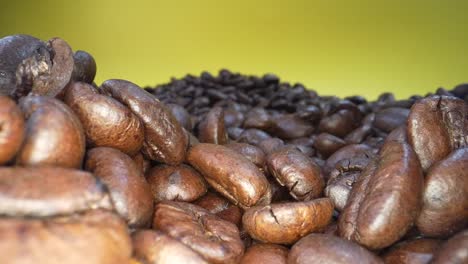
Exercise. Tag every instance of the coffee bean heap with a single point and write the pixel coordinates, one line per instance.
(222, 169)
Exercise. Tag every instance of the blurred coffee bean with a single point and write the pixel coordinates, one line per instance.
(289, 127)
(455, 250)
(270, 145)
(339, 124)
(106, 122)
(258, 118)
(323, 248)
(327, 144)
(182, 116)
(285, 223)
(231, 174)
(211, 129)
(54, 134)
(390, 118)
(417, 251)
(216, 240)
(253, 136)
(11, 129)
(297, 172)
(142, 164)
(128, 188)
(265, 254)
(84, 69)
(445, 196)
(437, 125)
(175, 183)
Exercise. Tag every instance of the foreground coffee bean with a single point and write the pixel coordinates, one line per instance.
(165, 141)
(297, 172)
(11, 130)
(418, 251)
(128, 188)
(252, 153)
(54, 135)
(445, 196)
(216, 240)
(231, 174)
(386, 199)
(154, 247)
(322, 248)
(437, 125)
(265, 254)
(221, 207)
(40, 192)
(455, 250)
(285, 223)
(95, 237)
(84, 69)
(106, 122)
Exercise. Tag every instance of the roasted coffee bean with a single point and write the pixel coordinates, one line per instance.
(265, 254)
(385, 201)
(323, 248)
(417, 251)
(327, 144)
(253, 136)
(106, 122)
(175, 183)
(130, 192)
(339, 124)
(84, 69)
(221, 207)
(269, 145)
(11, 129)
(252, 153)
(258, 118)
(40, 192)
(54, 135)
(233, 118)
(143, 164)
(290, 126)
(154, 247)
(165, 140)
(297, 172)
(390, 118)
(347, 152)
(285, 223)
(445, 196)
(454, 251)
(216, 240)
(212, 129)
(181, 115)
(437, 125)
(231, 174)
(95, 237)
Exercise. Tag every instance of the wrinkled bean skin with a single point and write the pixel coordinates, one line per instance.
(386, 199)
(418, 251)
(437, 125)
(11, 129)
(216, 240)
(130, 192)
(165, 140)
(323, 248)
(265, 254)
(212, 129)
(54, 135)
(350, 151)
(42, 192)
(106, 122)
(445, 196)
(297, 172)
(285, 223)
(175, 183)
(454, 251)
(231, 174)
(84, 69)
(96, 237)
(154, 247)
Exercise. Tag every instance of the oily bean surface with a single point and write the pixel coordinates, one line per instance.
(11, 129)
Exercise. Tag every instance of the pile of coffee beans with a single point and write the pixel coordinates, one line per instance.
(222, 169)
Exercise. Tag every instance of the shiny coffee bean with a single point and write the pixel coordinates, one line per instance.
(127, 186)
(455, 250)
(285, 223)
(154, 247)
(445, 196)
(323, 248)
(340, 123)
(231, 174)
(11, 129)
(252, 153)
(84, 69)
(390, 118)
(106, 122)
(290, 126)
(95, 237)
(297, 172)
(347, 152)
(42, 192)
(258, 118)
(385, 201)
(165, 140)
(175, 183)
(327, 144)
(265, 254)
(417, 251)
(437, 125)
(54, 134)
(212, 129)
(216, 240)
(181, 115)
(221, 207)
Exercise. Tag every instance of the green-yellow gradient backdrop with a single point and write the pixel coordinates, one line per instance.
(336, 47)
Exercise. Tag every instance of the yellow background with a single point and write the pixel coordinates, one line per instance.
(336, 47)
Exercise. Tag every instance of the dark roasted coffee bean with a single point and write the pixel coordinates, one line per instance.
(339, 124)
(417, 251)
(258, 118)
(253, 136)
(455, 250)
(290, 126)
(348, 152)
(265, 254)
(181, 115)
(221, 207)
(231, 174)
(252, 153)
(211, 129)
(327, 144)
(271, 144)
(84, 69)
(390, 118)
(11, 129)
(323, 248)
(285, 223)
(436, 126)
